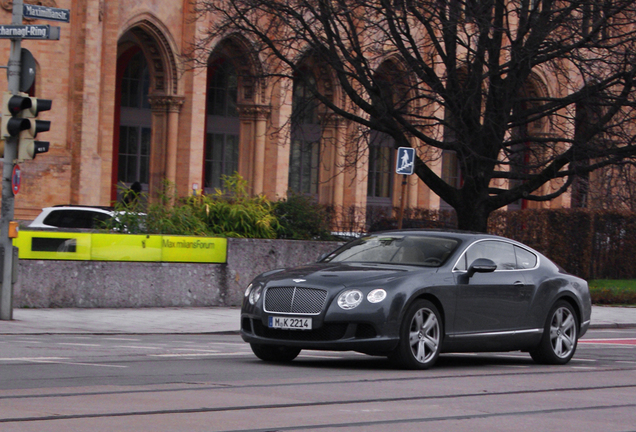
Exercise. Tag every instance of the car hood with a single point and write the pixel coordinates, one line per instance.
(338, 274)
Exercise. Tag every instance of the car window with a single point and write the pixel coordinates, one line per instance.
(525, 258)
(417, 250)
(76, 219)
(502, 253)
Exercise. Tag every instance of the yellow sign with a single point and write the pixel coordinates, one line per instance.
(120, 247)
(126, 247)
(53, 245)
(194, 249)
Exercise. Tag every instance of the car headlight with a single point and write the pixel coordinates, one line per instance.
(350, 299)
(376, 296)
(255, 294)
(248, 289)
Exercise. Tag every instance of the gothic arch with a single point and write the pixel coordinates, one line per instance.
(158, 48)
(158, 124)
(236, 49)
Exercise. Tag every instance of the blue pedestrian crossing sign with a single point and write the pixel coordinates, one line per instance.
(405, 160)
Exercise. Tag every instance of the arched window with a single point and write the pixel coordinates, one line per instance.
(304, 157)
(222, 125)
(381, 155)
(135, 121)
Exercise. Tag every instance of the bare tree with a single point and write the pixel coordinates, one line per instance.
(525, 94)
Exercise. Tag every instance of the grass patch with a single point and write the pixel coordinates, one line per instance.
(613, 292)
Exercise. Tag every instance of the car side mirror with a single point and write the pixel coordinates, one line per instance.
(481, 265)
(323, 256)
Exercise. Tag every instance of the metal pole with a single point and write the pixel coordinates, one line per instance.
(402, 200)
(10, 154)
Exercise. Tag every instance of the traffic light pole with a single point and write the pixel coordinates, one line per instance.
(10, 154)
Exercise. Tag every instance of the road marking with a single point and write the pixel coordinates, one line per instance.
(55, 360)
(78, 344)
(218, 354)
(32, 358)
(139, 347)
(618, 341)
(78, 364)
(196, 349)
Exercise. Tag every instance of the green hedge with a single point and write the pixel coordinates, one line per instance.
(592, 244)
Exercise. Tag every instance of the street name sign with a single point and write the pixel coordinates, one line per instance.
(46, 13)
(43, 32)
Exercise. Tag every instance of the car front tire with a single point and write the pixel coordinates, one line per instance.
(560, 336)
(275, 353)
(420, 337)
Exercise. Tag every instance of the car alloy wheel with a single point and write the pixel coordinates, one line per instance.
(420, 337)
(560, 334)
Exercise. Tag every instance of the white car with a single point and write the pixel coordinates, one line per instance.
(70, 216)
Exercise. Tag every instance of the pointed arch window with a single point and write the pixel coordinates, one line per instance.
(304, 157)
(135, 123)
(222, 125)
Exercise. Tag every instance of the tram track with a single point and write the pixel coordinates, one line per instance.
(338, 402)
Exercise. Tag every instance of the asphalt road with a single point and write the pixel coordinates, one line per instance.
(214, 383)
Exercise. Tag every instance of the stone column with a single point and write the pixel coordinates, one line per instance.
(164, 145)
(255, 116)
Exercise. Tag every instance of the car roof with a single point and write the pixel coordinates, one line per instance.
(437, 231)
(80, 207)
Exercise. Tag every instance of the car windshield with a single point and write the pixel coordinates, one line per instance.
(420, 250)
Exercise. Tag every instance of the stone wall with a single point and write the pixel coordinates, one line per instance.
(101, 284)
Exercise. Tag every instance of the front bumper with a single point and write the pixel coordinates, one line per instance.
(332, 336)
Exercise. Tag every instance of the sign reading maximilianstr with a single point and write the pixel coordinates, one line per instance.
(29, 32)
(46, 13)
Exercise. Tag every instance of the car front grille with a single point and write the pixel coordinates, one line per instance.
(295, 300)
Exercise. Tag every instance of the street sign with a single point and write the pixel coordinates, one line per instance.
(405, 159)
(16, 179)
(43, 32)
(46, 13)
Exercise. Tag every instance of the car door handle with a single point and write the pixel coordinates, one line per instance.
(518, 283)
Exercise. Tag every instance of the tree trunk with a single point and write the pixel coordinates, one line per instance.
(472, 217)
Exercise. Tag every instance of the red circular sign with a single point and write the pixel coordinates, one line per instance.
(16, 178)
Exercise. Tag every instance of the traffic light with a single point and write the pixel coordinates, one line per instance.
(18, 119)
(12, 106)
(28, 147)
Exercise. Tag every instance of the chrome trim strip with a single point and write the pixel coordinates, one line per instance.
(502, 333)
(504, 240)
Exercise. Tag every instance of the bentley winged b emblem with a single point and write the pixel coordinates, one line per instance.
(299, 280)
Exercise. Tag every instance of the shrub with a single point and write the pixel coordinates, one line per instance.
(300, 217)
(229, 213)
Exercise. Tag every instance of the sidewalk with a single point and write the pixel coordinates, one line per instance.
(189, 320)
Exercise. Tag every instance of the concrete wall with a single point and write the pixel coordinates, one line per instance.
(95, 284)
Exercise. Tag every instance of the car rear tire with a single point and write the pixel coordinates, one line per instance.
(275, 353)
(560, 336)
(420, 337)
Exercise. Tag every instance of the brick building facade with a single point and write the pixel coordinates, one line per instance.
(127, 108)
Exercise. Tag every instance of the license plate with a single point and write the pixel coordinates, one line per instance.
(287, 323)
